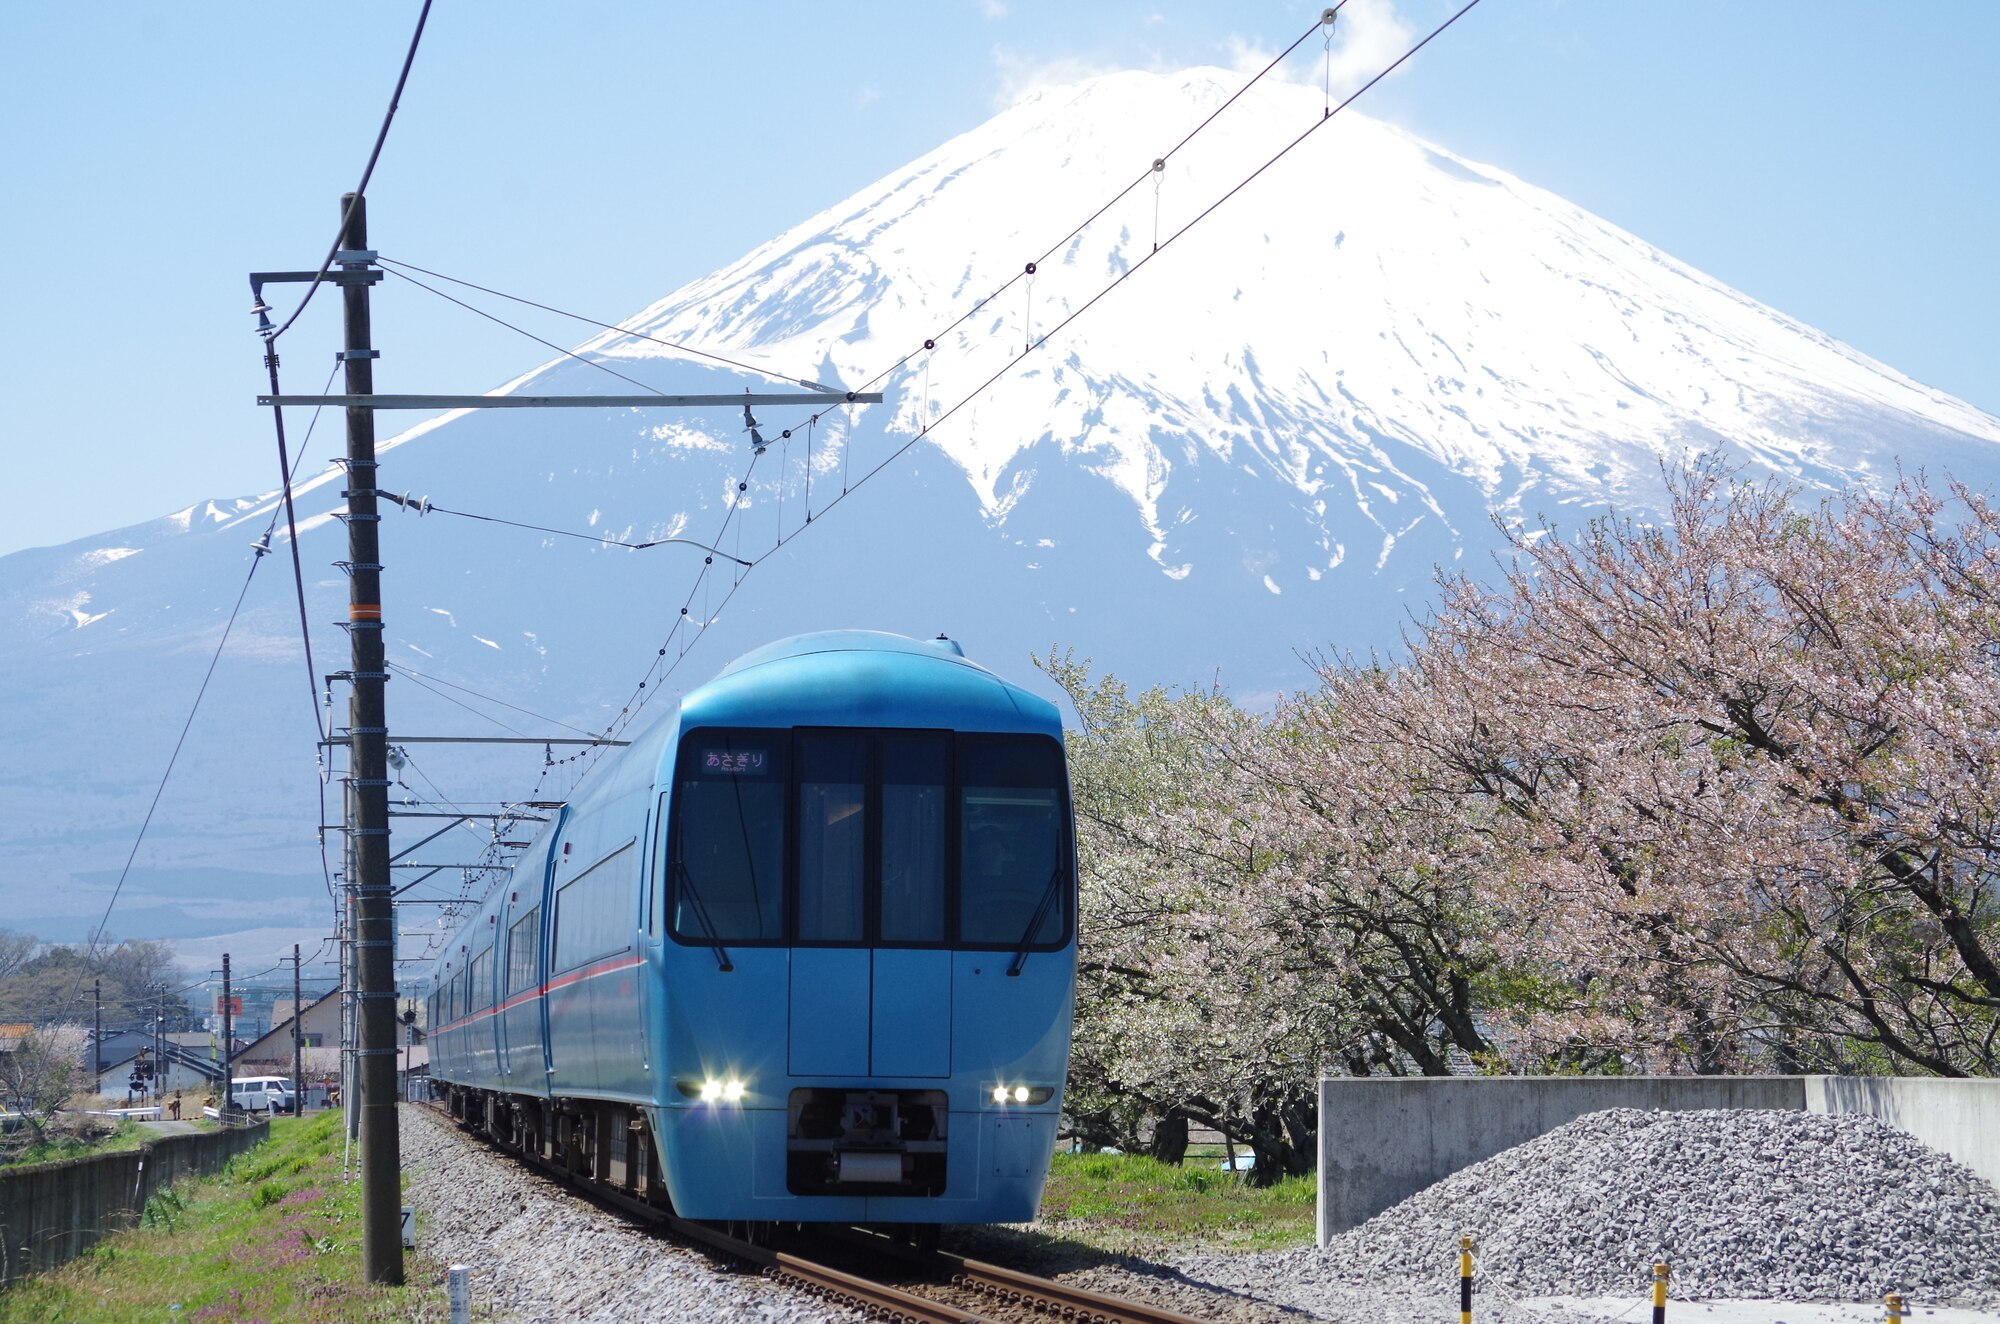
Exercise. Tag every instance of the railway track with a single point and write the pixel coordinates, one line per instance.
(929, 1284)
(915, 1287)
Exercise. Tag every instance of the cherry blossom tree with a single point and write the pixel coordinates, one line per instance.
(1743, 759)
(1716, 792)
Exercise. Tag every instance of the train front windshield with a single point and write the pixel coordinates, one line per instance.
(869, 838)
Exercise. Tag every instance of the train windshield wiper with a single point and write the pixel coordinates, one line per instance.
(722, 960)
(1049, 894)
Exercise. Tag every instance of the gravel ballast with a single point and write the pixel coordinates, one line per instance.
(538, 1252)
(1742, 1203)
(1770, 1205)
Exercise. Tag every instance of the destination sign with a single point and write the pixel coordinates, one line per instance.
(734, 762)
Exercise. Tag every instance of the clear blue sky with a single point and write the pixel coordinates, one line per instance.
(1836, 159)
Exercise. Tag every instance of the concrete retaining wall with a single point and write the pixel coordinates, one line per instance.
(1960, 1117)
(1382, 1140)
(51, 1213)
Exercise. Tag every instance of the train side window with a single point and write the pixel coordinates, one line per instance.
(726, 852)
(593, 915)
(1013, 856)
(916, 781)
(832, 835)
(522, 938)
(482, 980)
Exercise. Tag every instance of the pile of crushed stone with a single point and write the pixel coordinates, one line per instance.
(1740, 1202)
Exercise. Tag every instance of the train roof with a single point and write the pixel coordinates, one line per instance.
(830, 678)
(865, 678)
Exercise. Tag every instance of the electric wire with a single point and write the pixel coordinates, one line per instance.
(1117, 280)
(413, 672)
(1151, 169)
(97, 935)
(711, 611)
(608, 326)
(286, 471)
(641, 697)
(367, 173)
(546, 344)
(425, 506)
(658, 671)
(261, 547)
(460, 703)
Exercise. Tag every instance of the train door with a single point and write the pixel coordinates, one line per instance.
(870, 979)
(524, 1018)
(910, 988)
(830, 965)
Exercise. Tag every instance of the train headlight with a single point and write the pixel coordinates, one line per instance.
(711, 1090)
(1006, 1094)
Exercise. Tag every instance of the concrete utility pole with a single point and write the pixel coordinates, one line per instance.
(298, 1040)
(374, 929)
(97, 1035)
(368, 922)
(228, 1034)
(160, 1065)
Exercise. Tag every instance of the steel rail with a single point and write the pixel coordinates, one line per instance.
(1016, 1287)
(878, 1300)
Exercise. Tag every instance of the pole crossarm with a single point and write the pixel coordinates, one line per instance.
(736, 401)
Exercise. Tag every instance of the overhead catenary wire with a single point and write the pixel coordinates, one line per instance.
(641, 696)
(580, 317)
(520, 331)
(367, 173)
(425, 506)
(660, 668)
(260, 548)
(467, 689)
(1119, 279)
(1153, 168)
(460, 703)
(711, 610)
(286, 472)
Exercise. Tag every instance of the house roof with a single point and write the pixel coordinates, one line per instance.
(276, 1043)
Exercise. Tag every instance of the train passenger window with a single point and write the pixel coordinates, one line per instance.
(482, 979)
(727, 852)
(594, 915)
(833, 829)
(1013, 859)
(523, 936)
(916, 781)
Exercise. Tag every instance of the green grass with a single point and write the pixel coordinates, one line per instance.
(127, 1134)
(1118, 1202)
(274, 1236)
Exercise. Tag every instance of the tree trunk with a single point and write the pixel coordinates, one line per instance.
(1170, 1138)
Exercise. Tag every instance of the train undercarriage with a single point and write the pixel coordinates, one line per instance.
(609, 1147)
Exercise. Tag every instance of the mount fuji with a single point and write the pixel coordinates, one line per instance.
(1262, 443)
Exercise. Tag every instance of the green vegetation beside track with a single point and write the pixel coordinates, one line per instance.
(58, 1145)
(275, 1236)
(1127, 1203)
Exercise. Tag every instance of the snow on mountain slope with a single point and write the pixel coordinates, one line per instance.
(1371, 296)
(1261, 444)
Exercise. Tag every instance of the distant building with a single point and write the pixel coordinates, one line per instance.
(271, 1054)
(189, 1061)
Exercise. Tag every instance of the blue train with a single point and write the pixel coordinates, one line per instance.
(804, 952)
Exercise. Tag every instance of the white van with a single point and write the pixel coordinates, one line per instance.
(263, 1094)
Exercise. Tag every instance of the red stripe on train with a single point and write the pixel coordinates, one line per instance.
(573, 977)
